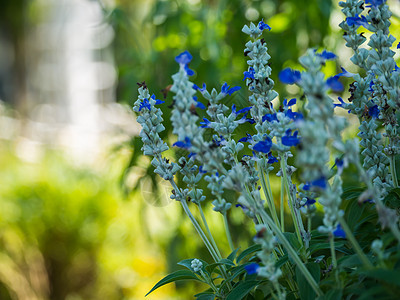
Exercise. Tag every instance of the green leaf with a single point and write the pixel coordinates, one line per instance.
(353, 213)
(305, 289)
(282, 260)
(292, 239)
(242, 289)
(393, 198)
(205, 296)
(232, 256)
(210, 268)
(178, 275)
(334, 294)
(320, 246)
(248, 251)
(388, 276)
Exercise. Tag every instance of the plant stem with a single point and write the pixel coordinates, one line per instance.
(228, 232)
(209, 232)
(393, 171)
(291, 206)
(271, 204)
(282, 206)
(333, 254)
(292, 254)
(355, 244)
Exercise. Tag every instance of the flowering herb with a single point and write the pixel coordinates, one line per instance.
(234, 179)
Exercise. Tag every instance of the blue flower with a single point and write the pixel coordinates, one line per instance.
(226, 90)
(262, 25)
(334, 83)
(339, 104)
(240, 111)
(220, 142)
(201, 170)
(183, 59)
(246, 139)
(263, 146)
(398, 45)
(185, 145)
(374, 3)
(272, 159)
(249, 74)
(158, 101)
(345, 73)
(201, 90)
(357, 21)
(293, 115)
(252, 268)
(371, 84)
(291, 102)
(145, 104)
(327, 55)
(290, 140)
(289, 76)
(205, 124)
(198, 103)
(270, 117)
(373, 111)
(319, 183)
(244, 119)
(191, 154)
(309, 202)
(339, 232)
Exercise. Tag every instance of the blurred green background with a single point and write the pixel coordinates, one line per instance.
(104, 228)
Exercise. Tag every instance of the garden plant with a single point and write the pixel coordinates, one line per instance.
(342, 194)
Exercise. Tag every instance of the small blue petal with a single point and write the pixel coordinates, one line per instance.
(184, 58)
(201, 170)
(374, 3)
(249, 74)
(345, 73)
(289, 76)
(339, 232)
(309, 202)
(334, 83)
(270, 117)
(290, 140)
(373, 111)
(185, 145)
(252, 268)
(320, 182)
(205, 124)
(398, 45)
(244, 110)
(145, 104)
(291, 102)
(263, 146)
(357, 21)
(327, 55)
(272, 159)
(246, 139)
(262, 25)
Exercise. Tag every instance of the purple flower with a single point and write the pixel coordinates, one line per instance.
(249, 74)
(263, 146)
(226, 90)
(290, 140)
(289, 76)
(373, 111)
(145, 104)
(185, 145)
(252, 268)
(262, 25)
(339, 232)
(334, 83)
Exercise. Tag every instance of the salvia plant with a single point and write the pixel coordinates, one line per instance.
(345, 242)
